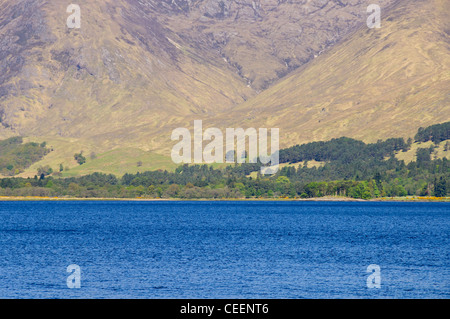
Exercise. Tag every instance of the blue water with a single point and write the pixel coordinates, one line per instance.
(224, 249)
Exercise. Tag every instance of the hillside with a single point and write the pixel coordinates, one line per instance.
(264, 40)
(117, 79)
(17, 157)
(377, 84)
(138, 69)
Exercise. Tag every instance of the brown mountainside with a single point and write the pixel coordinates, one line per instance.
(136, 69)
(378, 83)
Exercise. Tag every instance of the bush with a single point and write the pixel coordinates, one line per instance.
(79, 158)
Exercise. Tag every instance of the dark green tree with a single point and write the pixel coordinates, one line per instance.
(79, 158)
(440, 188)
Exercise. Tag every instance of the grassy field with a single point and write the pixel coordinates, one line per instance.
(121, 161)
(117, 161)
(410, 155)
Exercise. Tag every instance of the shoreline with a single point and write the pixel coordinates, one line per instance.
(415, 199)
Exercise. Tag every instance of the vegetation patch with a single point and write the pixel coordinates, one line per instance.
(15, 156)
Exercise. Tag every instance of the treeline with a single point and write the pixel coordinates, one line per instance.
(343, 150)
(349, 168)
(436, 133)
(426, 178)
(16, 156)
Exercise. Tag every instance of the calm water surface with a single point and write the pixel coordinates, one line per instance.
(224, 249)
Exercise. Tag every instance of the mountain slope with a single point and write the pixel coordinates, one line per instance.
(267, 39)
(378, 83)
(121, 70)
(137, 69)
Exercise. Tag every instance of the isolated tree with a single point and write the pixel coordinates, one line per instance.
(44, 170)
(80, 158)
